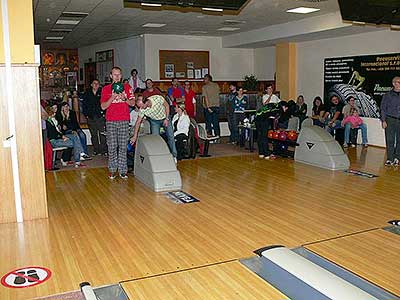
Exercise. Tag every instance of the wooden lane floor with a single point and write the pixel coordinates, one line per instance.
(106, 231)
(373, 255)
(223, 281)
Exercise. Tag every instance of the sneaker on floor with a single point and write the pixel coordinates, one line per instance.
(395, 162)
(365, 145)
(95, 153)
(111, 175)
(388, 163)
(64, 163)
(352, 145)
(123, 176)
(345, 145)
(79, 165)
(261, 156)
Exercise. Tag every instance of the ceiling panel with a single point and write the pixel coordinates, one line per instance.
(106, 14)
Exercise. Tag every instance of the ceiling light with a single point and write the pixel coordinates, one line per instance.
(212, 9)
(151, 4)
(54, 38)
(154, 25)
(67, 22)
(228, 28)
(302, 10)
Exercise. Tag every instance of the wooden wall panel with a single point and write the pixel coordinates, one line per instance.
(286, 70)
(7, 206)
(29, 141)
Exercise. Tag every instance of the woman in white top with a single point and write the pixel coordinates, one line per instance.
(181, 124)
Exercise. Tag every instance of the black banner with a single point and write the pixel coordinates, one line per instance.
(366, 78)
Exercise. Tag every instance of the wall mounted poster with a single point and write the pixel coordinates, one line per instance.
(169, 70)
(197, 74)
(190, 73)
(366, 78)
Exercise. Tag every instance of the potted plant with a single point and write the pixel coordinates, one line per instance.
(250, 83)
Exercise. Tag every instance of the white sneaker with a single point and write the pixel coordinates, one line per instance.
(261, 156)
(64, 163)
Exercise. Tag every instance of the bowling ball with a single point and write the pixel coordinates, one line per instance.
(282, 136)
(130, 147)
(292, 135)
(275, 135)
(270, 134)
(117, 87)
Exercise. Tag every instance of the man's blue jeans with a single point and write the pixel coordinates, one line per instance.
(212, 120)
(155, 130)
(72, 142)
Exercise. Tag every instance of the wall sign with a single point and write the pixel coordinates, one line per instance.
(366, 78)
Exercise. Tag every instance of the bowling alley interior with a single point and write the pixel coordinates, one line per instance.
(194, 149)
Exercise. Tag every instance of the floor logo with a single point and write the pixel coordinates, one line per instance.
(181, 197)
(25, 277)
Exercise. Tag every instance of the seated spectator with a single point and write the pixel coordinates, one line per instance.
(318, 111)
(353, 120)
(333, 115)
(239, 105)
(181, 124)
(301, 108)
(58, 139)
(135, 82)
(69, 125)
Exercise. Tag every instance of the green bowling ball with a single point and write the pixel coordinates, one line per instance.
(117, 87)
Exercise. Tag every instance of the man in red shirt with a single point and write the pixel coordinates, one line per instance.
(190, 100)
(176, 92)
(117, 123)
(150, 90)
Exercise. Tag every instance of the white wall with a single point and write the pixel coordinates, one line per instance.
(128, 54)
(310, 68)
(225, 63)
(265, 63)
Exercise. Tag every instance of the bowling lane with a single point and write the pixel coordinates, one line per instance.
(223, 281)
(373, 255)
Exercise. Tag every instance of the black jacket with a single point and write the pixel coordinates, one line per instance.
(91, 104)
(52, 132)
(71, 123)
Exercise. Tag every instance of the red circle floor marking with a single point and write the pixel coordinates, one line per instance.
(36, 281)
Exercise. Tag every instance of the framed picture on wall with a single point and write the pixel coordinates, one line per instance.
(190, 73)
(197, 74)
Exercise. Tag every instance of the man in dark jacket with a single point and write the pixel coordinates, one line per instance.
(94, 114)
(390, 117)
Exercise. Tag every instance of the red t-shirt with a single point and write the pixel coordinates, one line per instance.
(116, 111)
(189, 105)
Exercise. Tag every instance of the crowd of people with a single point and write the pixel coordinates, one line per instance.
(115, 113)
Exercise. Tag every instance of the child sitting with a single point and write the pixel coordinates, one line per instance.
(353, 120)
